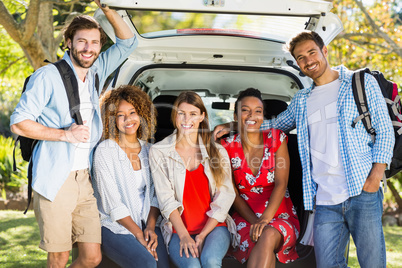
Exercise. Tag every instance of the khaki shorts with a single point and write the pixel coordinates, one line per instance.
(72, 217)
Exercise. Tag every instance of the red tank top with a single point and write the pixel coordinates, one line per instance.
(196, 201)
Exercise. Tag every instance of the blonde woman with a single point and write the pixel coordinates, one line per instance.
(193, 184)
(123, 184)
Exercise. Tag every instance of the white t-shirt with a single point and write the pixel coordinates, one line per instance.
(82, 149)
(327, 169)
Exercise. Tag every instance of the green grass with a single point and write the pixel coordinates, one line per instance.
(393, 241)
(19, 240)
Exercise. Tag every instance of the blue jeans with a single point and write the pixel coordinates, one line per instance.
(126, 251)
(359, 216)
(215, 247)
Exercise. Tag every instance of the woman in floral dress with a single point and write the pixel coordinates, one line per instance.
(264, 214)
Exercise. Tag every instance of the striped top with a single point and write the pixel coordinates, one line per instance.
(118, 188)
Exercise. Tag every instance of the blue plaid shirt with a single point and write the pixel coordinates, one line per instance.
(357, 149)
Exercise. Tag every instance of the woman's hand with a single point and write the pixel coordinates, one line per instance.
(188, 245)
(140, 237)
(257, 228)
(199, 242)
(152, 240)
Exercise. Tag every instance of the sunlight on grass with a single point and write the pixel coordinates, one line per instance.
(393, 241)
(19, 240)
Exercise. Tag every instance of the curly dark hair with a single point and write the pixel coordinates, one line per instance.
(250, 92)
(142, 104)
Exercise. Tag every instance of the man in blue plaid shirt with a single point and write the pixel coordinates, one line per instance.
(342, 166)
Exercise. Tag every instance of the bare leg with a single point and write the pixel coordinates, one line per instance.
(263, 253)
(57, 259)
(89, 255)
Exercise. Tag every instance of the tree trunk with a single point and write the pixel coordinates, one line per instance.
(395, 193)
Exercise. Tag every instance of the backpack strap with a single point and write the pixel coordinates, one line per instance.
(71, 86)
(97, 83)
(29, 185)
(359, 94)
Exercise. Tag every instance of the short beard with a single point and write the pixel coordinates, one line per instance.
(82, 63)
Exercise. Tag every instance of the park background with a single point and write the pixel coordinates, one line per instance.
(30, 31)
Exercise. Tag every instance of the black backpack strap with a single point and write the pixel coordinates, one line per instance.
(97, 83)
(359, 94)
(14, 162)
(71, 86)
(29, 185)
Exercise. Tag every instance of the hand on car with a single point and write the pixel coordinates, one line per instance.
(77, 133)
(188, 245)
(103, 6)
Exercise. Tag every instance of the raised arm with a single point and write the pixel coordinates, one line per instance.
(121, 29)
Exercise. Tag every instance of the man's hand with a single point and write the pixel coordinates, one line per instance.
(77, 133)
(121, 29)
(103, 7)
(221, 130)
(373, 181)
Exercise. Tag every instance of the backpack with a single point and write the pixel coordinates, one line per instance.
(27, 145)
(389, 91)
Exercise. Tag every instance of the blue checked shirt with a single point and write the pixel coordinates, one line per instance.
(357, 149)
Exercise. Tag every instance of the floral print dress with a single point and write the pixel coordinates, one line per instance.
(256, 191)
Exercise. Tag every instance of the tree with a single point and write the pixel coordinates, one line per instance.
(372, 37)
(36, 27)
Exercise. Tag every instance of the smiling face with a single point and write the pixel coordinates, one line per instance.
(85, 47)
(250, 114)
(188, 118)
(127, 119)
(311, 59)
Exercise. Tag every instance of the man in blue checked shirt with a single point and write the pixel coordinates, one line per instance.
(342, 167)
(65, 208)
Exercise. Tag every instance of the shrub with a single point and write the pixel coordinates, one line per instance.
(10, 180)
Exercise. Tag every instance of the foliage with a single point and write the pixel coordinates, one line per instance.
(10, 180)
(361, 45)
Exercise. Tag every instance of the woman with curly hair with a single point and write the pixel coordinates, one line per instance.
(193, 184)
(123, 184)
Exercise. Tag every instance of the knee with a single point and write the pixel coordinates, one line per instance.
(92, 260)
(149, 262)
(210, 261)
(271, 238)
(58, 259)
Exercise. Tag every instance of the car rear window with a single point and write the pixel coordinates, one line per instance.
(154, 24)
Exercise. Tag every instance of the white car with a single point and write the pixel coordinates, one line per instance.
(218, 48)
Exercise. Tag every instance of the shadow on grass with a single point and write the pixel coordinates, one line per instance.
(27, 231)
